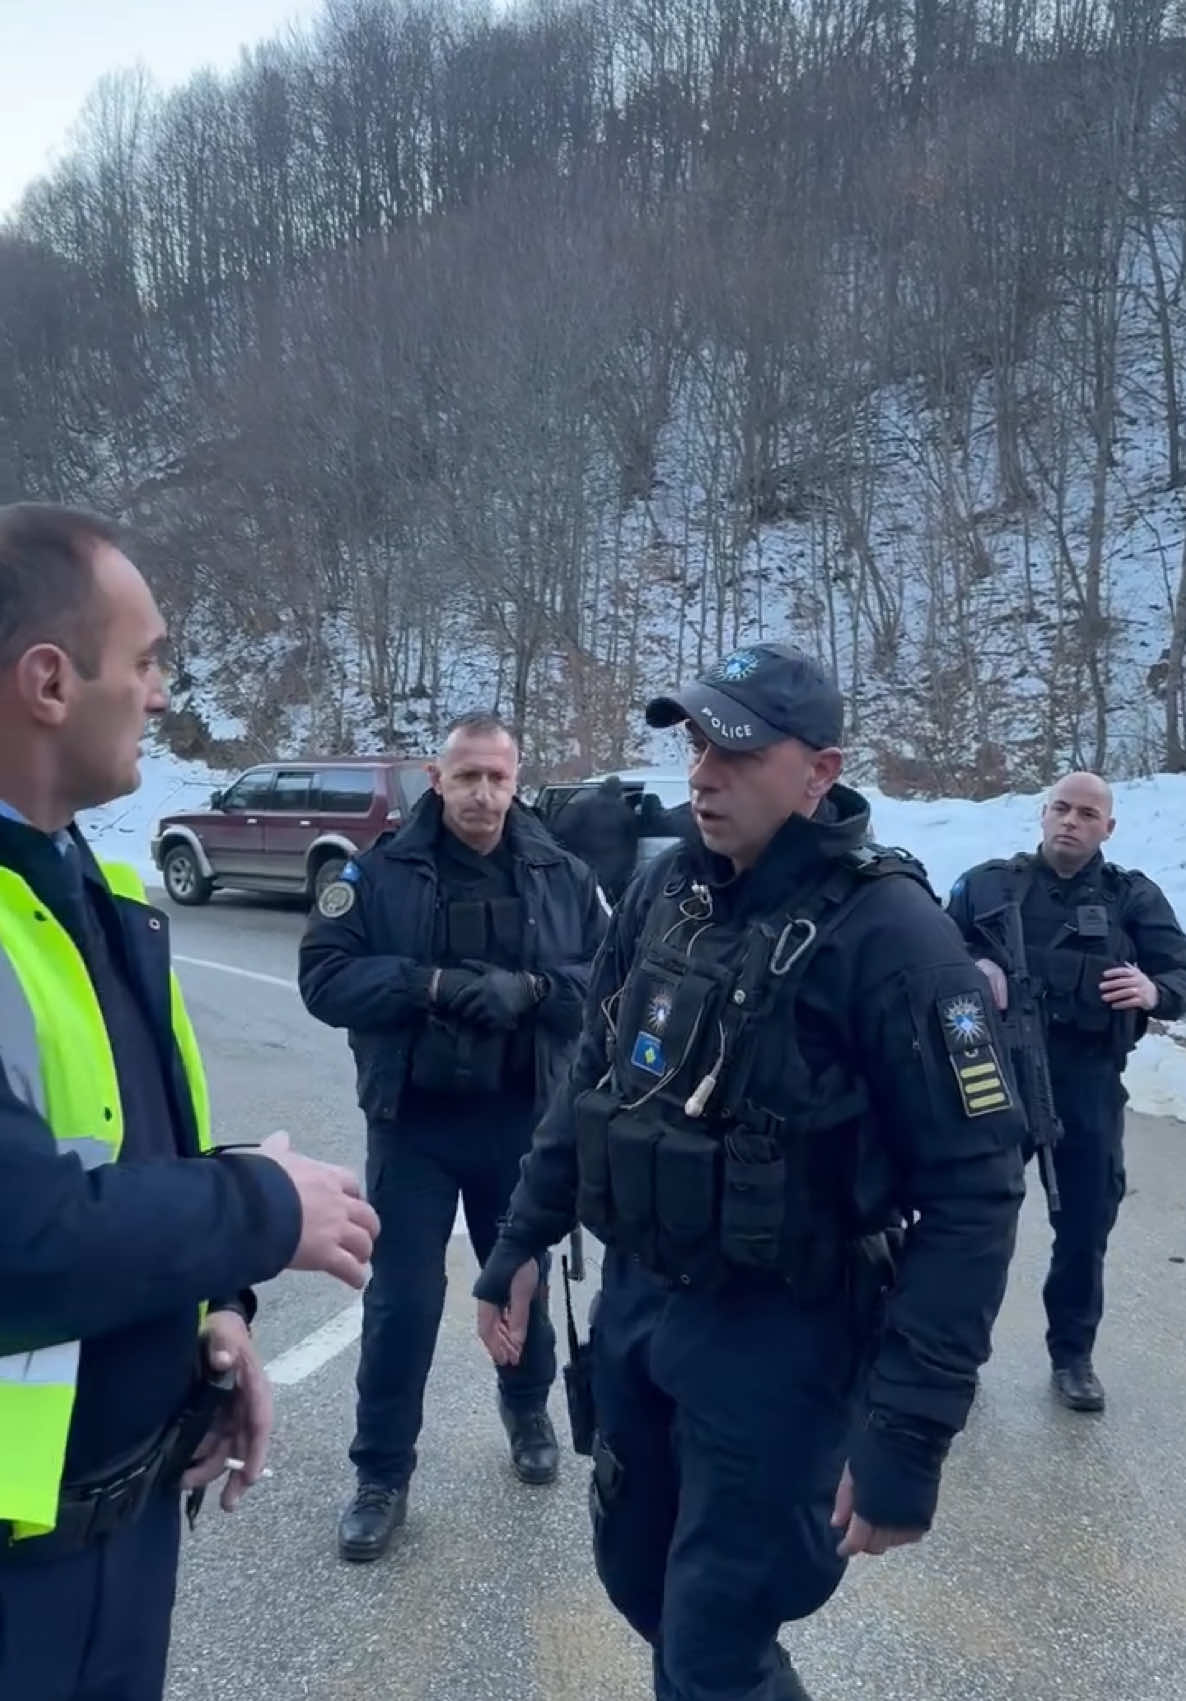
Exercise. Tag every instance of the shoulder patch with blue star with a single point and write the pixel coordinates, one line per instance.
(967, 1034)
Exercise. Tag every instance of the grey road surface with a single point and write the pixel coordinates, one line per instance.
(1056, 1570)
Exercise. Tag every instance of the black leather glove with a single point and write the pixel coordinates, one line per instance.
(496, 1000)
(445, 987)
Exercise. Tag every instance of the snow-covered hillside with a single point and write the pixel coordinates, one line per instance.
(954, 614)
(948, 835)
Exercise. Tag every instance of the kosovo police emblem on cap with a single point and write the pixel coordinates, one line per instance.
(734, 668)
(337, 900)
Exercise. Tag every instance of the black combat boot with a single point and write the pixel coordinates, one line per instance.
(367, 1525)
(534, 1452)
(1077, 1386)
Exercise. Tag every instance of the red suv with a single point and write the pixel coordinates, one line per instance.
(286, 826)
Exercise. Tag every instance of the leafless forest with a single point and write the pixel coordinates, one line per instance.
(435, 359)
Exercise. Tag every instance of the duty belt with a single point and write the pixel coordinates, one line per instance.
(89, 1511)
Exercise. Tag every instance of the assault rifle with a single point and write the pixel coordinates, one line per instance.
(1025, 1033)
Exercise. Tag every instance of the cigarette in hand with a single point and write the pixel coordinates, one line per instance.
(241, 1465)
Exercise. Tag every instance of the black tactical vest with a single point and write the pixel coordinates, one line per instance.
(1069, 945)
(450, 1059)
(684, 1160)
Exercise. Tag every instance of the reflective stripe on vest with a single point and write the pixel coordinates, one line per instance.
(57, 1059)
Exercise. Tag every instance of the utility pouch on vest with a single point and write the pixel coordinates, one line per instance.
(753, 1200)
(592, 1114)
(507, 929)
(467, 931)
(453, 1060)
(687, 1185)
(634, 1137)
(1091, 921)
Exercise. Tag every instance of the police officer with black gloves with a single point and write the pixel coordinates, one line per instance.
(789, 1064)
(457, 953)
(1105, 950)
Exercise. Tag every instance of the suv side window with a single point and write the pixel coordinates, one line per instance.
(292, 790)
(253, 791)
(345, 791)
(413, 783)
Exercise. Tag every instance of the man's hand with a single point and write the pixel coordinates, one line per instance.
(338, 1227)
(503, 1329)
(497, 1000)
(1128, 989)
(994, 974)
(860, 1536)
(446, 985)
(246, 1427)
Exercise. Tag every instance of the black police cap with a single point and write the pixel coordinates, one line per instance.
(756, 697)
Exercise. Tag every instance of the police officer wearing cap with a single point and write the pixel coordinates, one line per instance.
(1104, 951)
(457, 953)
(789, 1122)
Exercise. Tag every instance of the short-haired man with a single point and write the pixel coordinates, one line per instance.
(457, 953)
(117, 1221)
(1104, 947)
(786, 1053)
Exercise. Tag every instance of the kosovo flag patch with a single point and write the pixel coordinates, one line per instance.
(648, 1053)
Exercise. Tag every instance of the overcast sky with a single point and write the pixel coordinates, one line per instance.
(52, 52)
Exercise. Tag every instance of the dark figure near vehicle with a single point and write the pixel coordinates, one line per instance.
(601, 826)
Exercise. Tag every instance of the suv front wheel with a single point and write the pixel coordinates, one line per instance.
(184, 880)
(326, 872)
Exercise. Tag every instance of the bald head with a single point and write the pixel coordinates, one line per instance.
(1076, 819)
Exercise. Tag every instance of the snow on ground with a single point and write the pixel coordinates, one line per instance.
(123, 830)
(948, 835)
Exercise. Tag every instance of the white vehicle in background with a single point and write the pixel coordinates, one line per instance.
(668, 785)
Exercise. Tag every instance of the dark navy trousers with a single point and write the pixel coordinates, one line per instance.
(416, 1171)
(1089, 1167)
(723, 1426)
(92, 1625)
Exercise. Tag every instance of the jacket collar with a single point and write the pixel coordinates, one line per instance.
(416, 841)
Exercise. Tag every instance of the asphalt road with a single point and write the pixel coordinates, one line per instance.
(1056, 1570)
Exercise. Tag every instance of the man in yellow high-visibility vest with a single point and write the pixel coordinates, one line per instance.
(127, 1242)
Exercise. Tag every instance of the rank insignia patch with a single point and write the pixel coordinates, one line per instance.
(963, 1020)
(648, 1054)
(982, 1086)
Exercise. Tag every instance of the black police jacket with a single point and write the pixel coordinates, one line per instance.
(365, 968)
(1074, 928)
(878, 991)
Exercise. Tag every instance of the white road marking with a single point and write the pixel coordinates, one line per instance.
(232, 969)
(318, 1348)
(327, 1342)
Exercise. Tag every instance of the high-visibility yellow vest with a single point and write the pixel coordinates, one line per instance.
(57, 1058)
